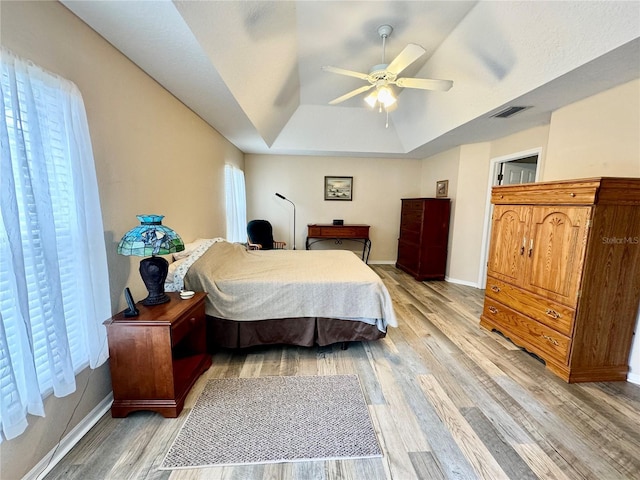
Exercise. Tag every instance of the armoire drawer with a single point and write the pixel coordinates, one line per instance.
(412, 205)
(529, 333)
(410, 236)
(412, 219)
(408, 256)
(553, 314)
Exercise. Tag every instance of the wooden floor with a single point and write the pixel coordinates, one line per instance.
(448, 400)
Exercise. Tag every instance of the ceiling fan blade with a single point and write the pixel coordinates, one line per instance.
(352, 93)
(349, 73)
(406, 57)
(424, 83)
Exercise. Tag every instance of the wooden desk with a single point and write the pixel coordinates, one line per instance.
(322, 232)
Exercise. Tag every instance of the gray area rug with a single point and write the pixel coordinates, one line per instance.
(240, 421)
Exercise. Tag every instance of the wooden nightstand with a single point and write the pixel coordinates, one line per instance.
(156, 357)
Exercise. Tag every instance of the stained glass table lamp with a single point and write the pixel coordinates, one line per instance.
(152, 238)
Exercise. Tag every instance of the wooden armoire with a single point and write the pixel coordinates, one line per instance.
(563, 273)
(424, 236)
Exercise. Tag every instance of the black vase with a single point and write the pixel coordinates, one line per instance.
(153, 271)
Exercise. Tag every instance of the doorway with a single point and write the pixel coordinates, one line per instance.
(521, 167)
(521, 170)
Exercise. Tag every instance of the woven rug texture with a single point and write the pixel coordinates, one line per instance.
(238, 421)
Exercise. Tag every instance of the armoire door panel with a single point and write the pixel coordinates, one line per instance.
(508, 238)
(555, 251)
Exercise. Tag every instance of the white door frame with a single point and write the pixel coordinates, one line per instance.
(486, 229)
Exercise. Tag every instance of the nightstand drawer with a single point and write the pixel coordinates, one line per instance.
(190, 321)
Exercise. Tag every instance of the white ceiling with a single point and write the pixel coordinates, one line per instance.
(252, 69)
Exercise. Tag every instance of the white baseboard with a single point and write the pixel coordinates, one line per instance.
(633, 378)
(461, 282)
(56, 454)
(381, 262)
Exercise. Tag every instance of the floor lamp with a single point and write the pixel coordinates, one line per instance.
(294, 217)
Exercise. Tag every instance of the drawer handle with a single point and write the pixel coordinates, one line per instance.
(572, 194)
(530, 246)
(553, 313)
(524, 243)
(493, 310)
(495, 288)
(550, 339)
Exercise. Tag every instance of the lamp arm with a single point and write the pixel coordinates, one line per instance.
(294, 216)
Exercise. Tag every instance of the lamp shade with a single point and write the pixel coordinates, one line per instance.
(150, 238)
(382, 96)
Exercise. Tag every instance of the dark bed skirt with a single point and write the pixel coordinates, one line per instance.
(305, 331)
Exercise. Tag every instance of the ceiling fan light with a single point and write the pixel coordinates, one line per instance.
(371, 99)
(385, 96)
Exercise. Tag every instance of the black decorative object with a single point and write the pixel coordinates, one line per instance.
(132, 311)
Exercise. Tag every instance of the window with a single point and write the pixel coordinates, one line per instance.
(236, 204)
(54, 284)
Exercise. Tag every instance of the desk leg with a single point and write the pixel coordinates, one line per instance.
(366, 250)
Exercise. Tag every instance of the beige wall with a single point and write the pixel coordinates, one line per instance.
(467, 169)
(444, 166)
(597, 136)
(469, 214)
(378, 186)
(152, 154)
(526, 140)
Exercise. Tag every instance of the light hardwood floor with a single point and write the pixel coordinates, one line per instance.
(447, 398)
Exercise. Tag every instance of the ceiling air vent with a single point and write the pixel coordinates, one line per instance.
(508, 112)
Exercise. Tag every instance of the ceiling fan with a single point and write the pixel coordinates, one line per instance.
(384, 75)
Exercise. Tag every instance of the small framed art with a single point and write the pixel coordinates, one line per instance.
(442, 188)
(338, 188)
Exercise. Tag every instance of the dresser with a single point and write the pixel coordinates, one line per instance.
(424, 236)
(563, 273)
(156, 357)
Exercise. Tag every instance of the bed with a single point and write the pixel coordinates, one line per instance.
(295, 297)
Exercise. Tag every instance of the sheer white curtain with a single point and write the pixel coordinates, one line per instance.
(236, 204)
(54, 284)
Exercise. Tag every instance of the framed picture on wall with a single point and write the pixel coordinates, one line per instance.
(442, 188)
(338, 188)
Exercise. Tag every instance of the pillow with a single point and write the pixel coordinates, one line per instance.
(172, 268)
(189, 248)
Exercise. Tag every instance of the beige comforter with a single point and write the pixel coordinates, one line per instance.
(257, 285)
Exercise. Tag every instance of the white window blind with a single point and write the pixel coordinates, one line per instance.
(54, 288)
(236, 204)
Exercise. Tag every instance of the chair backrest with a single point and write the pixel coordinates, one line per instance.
(260, 231)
